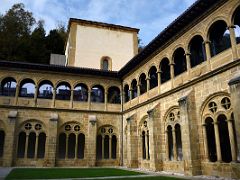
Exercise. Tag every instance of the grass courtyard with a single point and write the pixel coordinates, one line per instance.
(60, 173)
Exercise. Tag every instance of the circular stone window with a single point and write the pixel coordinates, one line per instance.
(68, 127)
(212, 106)
(77, 128)
(28, 126)
(38, 126)
(226, 103)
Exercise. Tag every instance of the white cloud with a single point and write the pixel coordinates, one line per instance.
(150, 16)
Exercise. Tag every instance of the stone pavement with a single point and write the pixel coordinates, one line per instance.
(4, 172)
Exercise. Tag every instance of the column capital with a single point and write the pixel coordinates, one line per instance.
(187, 54)
(204, 125)
(172, 64)
(231, 27)
(229, 120)
(207, 41)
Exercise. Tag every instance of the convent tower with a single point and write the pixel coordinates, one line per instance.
(99, 45)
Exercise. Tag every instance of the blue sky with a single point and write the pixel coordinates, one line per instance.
(150, 16)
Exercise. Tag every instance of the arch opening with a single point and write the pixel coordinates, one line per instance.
(170, 143)
(106, 147)
(143, 83)
(41, 145)
(45, 90)
(63, 91)
(71, 145)
(80, 93)
(27, 88)
(165, 70)
(31, 145)
(114, 147)
(114, 95)
(219, 37)
(197, 51)
(224, 139)
(153, 77)
(8, 87)
(178, 142)
(81, 145)
(97, 94)
(21, 144)
(236, 22)
(211, 143)
(126, 93)
(134, 88)
(179, 58)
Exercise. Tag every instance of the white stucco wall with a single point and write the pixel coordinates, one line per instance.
(92, 43)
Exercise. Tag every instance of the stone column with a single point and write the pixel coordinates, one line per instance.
(106, 100)
(10, 147)
(51, 141)
(26, 146)
(103, 146)
(110, 147)
(172, 73)
(76, 147)
(235, 101)
(148, 83)
(188, 62)
(91, 141)
(218, 147)
(190, 140)
(36, 147)
(159, 81)
(131, 94)
(89, 100)
(167, 149)
(132, 144)
(146, 145)
(54, 97)
(208, 54)
(35, 95)
(233, 42)
(71, 100)
(174, 145)
(67, 140)
(16, 94)
(138, 89)
(152, 142)
(206, 155)
(232, 140)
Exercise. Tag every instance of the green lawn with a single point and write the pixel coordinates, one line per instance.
(58, 173)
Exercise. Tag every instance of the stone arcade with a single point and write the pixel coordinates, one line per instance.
(172, 107)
